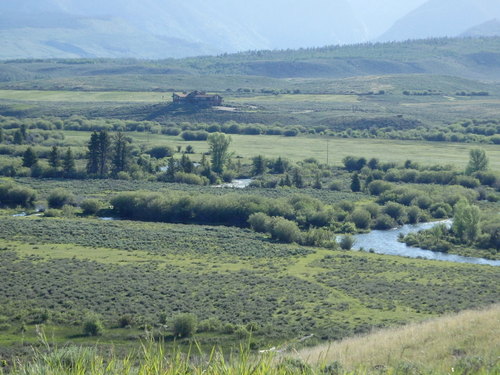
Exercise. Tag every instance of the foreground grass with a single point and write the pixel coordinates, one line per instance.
(468, 341)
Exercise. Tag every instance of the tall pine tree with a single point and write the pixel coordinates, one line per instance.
(68, 163)
(355, 183)
(93, 154)
(121, 153)
(104, 150)
(54, 157)
(29, 158)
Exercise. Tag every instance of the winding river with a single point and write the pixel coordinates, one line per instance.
(386, 242)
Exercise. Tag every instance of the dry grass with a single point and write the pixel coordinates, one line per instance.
(440, 344)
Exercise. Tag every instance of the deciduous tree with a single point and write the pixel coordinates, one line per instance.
(478, 161)
(219, 146)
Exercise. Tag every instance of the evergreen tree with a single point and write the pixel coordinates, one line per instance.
(279, 166)
(2, 136)
(171, 169)
(68, 162)
(355, 183)
(203, 162)
(287, 181)
(54, 157)
(144, 161)
(259, 165)
(29, 158)
(93, 154)
(121, 153)
(317, 182)
(186, 164)
(104, 150)
(297, 179)
(373, 163)
(24, 132)
(18, 138)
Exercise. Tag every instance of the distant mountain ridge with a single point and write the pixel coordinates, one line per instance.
(488, 28)
(440, 18)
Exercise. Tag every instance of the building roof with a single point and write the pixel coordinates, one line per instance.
(196, 94)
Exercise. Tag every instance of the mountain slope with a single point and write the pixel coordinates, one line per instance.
(438, 18)
(489, 28)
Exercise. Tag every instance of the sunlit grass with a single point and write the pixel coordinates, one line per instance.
(437, 345)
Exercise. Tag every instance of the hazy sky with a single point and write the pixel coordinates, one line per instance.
(379, 15)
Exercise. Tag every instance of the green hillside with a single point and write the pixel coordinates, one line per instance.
(476, 58)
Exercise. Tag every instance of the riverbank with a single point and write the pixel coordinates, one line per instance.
(387, 242)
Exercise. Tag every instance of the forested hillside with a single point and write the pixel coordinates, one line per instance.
(477, 58)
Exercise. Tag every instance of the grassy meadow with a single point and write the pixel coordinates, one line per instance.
(319, 147)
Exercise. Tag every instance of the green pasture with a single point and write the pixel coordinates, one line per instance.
(296, 98)
(85, 96)
(335, 149)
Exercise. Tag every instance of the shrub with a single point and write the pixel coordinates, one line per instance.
(395, 210)
(92, 326)
(210, 325)
(12, 196)
(352, 163)
(228, 328)
(441, 210)
(487, 178)
(91, 206)
(59, 198)
(361, 218)
(384, 222)
(290, 132)
(347, 242)
(285, 230)
(317, 237)
(190, 178)
(194, 136)
(347, 206)
(373, 209)
(160, 152)
(414, 215)
(184, 325)
(423, 202)
(125, 321)
(260, 222)
(377, 187)
(467, 181)
(335, 186)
